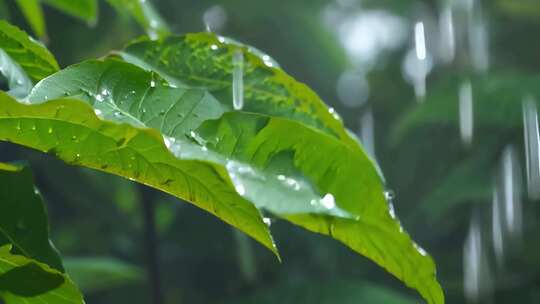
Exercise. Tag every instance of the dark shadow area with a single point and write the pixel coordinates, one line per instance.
(29, 280)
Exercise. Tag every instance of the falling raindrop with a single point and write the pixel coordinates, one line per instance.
(497, 226)
(367, 133)
(466, 113)
(246, 256)
(420, 41)
(418, 63)
(447, 34)
(155, 24)
(214, 18)
(532, 147)
(478, 37)
(511, 192)
(238, 80)
(477, 274)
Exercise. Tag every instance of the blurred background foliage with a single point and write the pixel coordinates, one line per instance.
(357, 55)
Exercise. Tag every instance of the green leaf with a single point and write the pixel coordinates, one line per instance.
(144, 13)
(325, 153)
(361, 219)
(23, 280)
(101, 273)
(33, 13)
(72, 131)
(18, 82)
(31, 55)
(84, 9)
(204, 60)
(294, 171)
(23, 218)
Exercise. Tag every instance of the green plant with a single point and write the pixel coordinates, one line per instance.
(160, 112)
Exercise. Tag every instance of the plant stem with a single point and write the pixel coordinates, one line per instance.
(151, 244)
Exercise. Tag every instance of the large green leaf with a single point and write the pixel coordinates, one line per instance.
(23, 218)
(23, 280)
(72, 131)
(310, 177)
(362, 219)
(145, 14)
(33, 57)
(99, 273)
(339, 168)
(204, 60)
(84, 9)
(33, 13)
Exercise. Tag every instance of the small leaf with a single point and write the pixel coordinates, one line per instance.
(33, 13)
(84, 9)
(23, 218)
(18, 82)
(31, 55)
(101, 273)
(23, 280)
